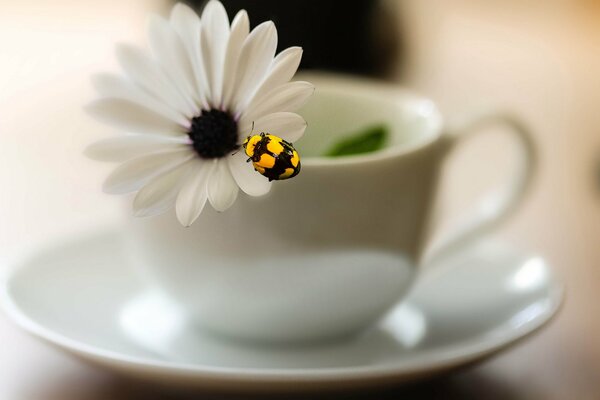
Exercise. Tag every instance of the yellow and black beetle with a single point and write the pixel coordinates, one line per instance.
(272, 156)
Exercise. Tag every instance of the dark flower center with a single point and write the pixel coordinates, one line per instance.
(214, 134)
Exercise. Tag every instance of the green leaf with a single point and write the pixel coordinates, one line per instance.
(367, 140)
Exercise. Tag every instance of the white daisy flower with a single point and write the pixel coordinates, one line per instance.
(188, 105)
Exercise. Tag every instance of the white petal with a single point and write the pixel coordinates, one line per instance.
(240, 27)
(255, 59)
(282, 71)
(132, 117)
(193, 194)
(187, 24)
(159, 195)
(110, 85)
(132, 175)
(123, 148)
(142, 70)
(213, 40)
(222, 189)
(250, 181)
(171, 55)
(287, 97)
(288, 126)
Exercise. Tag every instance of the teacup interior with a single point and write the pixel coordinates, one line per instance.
(343, 106)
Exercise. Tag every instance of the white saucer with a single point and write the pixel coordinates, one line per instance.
(83, 297)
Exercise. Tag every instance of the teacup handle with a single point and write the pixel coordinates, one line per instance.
(501, 203)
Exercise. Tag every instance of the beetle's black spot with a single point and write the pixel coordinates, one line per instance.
(214, 134)
(261, 148)
(283, 161)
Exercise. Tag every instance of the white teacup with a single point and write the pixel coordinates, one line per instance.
(326, 254)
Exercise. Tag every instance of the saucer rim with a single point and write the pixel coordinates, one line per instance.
(460, 353)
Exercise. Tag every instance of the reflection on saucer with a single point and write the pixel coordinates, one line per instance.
(154, 322)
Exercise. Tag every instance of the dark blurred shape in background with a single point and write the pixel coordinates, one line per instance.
(352, 36)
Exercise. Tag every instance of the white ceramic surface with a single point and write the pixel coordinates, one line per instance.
(82, 296)
(325, 254)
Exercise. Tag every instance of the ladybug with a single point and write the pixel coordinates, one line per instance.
(272, 156)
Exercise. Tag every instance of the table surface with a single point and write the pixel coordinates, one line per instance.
(540, 59)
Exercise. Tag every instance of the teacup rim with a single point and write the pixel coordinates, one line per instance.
(385, 88)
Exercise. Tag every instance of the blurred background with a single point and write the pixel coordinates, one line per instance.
(540, 59)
